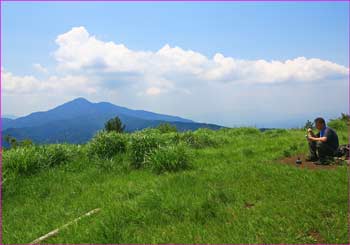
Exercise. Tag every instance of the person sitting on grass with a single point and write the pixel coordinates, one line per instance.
(324, 144)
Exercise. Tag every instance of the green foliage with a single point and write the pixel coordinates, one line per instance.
(114, 124)
(287, 153)
(339, 124)
(345, 117)
(166, 128)
(23, 160)
(141, 145)
(245, 131)
(118, 163)
(53, 155)
(169, 159)
(273, 133)
(28, 160)
(107, 144)
(26, 142)
(213, 203)
(247, 152)
(13, 142)
(198, 140)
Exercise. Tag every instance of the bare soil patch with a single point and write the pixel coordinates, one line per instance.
(310, 165)
(316, 236)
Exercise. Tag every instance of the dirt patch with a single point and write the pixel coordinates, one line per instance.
(316, 236)
(309, 165)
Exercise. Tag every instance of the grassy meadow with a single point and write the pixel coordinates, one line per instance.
(161, 186)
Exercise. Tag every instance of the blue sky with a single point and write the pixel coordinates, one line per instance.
(243, 31)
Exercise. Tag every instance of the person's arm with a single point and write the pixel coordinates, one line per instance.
(322, 139)
(317, 137)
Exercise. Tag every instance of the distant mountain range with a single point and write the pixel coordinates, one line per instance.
(78, 120)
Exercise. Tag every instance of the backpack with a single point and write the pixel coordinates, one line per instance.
(343, 151)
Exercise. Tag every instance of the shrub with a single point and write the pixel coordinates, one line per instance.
(141, 145)
(166, 128)
(117, 163)
(287, 153)
(169, 159)
(273, 133)
(56, 154)
(247, 131)
(246, 152)
(294, 147)
(24, 160)
(198, 140)
(338, 124)
(29, 160)
(107, 144)
(12, 142)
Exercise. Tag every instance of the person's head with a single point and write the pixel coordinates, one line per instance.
(320, 123)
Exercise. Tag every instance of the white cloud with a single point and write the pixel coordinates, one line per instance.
(153, 91)
(172, 80)
(78, 50)
(12, 84)
(40, 68)
(18, 84)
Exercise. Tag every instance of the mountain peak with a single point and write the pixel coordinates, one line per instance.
(80, 100)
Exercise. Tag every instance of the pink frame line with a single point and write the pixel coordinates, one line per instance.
(348, 218)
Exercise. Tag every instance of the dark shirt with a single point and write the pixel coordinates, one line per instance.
(332, 137)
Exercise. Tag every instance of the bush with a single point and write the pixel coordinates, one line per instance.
(56, 154)
(141, 145)
(247, 131)
(246, 152)
(24, 160)
(287, 153)
(166, 128)
(338, 124)
(107, 144)
(12, 142)
(169, 159)
(198, 140)
(29, 160)
(273, 133)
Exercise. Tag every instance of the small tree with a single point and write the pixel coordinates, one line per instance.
(114, 124)
(309, 124)
(11, 141)
(345, 117)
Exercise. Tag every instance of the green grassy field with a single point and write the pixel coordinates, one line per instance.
(226, 187)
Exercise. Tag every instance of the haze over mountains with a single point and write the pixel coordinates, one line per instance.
(78, 120)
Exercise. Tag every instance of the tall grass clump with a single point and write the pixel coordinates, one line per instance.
(107, 144)
(339, 125)
(141, 145)
(169, 159)
(22, 161)
(199, 139)
(166, 128)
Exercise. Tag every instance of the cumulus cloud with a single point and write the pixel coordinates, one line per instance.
(18, 84)
(153, 91)
(13, 84)
(40, 68)
(212, 87)
(78, 50)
